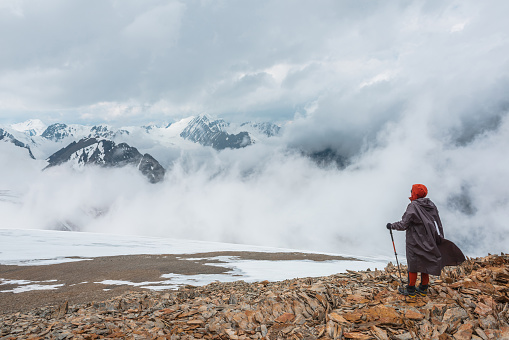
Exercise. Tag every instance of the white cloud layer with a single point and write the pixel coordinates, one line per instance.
(268, 195)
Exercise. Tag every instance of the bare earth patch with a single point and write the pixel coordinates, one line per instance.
(77, 278)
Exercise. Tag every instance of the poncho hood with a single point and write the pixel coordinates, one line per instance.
(425, 203)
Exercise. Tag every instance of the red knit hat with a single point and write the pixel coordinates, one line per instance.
(418, 191)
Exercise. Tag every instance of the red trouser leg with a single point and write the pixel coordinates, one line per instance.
(424, 279)
(412, 278)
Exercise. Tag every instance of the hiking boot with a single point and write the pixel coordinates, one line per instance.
(422, 290)
(407, 291)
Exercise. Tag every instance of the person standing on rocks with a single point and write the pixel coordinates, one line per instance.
(424, 237)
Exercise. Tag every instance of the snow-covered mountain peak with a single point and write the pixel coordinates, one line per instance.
(163, 140)
(205, 123)
(32, 127)
(60, 131)
(106, 131)
(101, 130)
(265, 128)
(206, 132)
(106, 153)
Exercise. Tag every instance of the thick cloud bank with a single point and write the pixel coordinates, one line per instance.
(270, 195)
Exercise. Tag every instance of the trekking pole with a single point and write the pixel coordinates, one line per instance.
(399, 270)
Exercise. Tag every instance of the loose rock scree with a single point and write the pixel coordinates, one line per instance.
(470, 301)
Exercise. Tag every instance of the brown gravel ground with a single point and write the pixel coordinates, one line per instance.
(79, 277)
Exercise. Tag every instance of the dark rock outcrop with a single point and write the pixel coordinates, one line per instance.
(57, 132)
(108, 154)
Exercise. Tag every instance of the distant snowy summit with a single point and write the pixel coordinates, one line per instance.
(221, 135)
(106, 153)
(109, 147)
(203, 130)
(267, 129)
(32, 127)
(213, 133)
(57, 132)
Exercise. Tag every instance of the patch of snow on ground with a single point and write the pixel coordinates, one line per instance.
(43, 247)
(26, 286)
(37, 247)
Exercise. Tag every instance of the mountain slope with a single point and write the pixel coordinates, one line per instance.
(7, 137)
(185, 134)
(57, 132)
(212, 133)
(108, 154)
(266, 128)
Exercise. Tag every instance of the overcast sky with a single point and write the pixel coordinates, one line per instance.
(349, 63)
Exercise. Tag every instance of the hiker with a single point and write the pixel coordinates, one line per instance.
(424, 236)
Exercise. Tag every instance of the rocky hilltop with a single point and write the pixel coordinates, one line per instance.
(107, 154)
(467, 302)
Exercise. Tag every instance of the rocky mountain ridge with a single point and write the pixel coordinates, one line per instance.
(57, 132)
(108, 147)
(213, 133)
(470, 301)
(201, 129)
(181, 135)
(106, 153)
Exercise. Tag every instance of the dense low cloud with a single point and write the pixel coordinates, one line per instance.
(267, 194)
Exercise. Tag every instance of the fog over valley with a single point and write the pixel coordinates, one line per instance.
(269, 193)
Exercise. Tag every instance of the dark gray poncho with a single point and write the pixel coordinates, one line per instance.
(426, 249)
